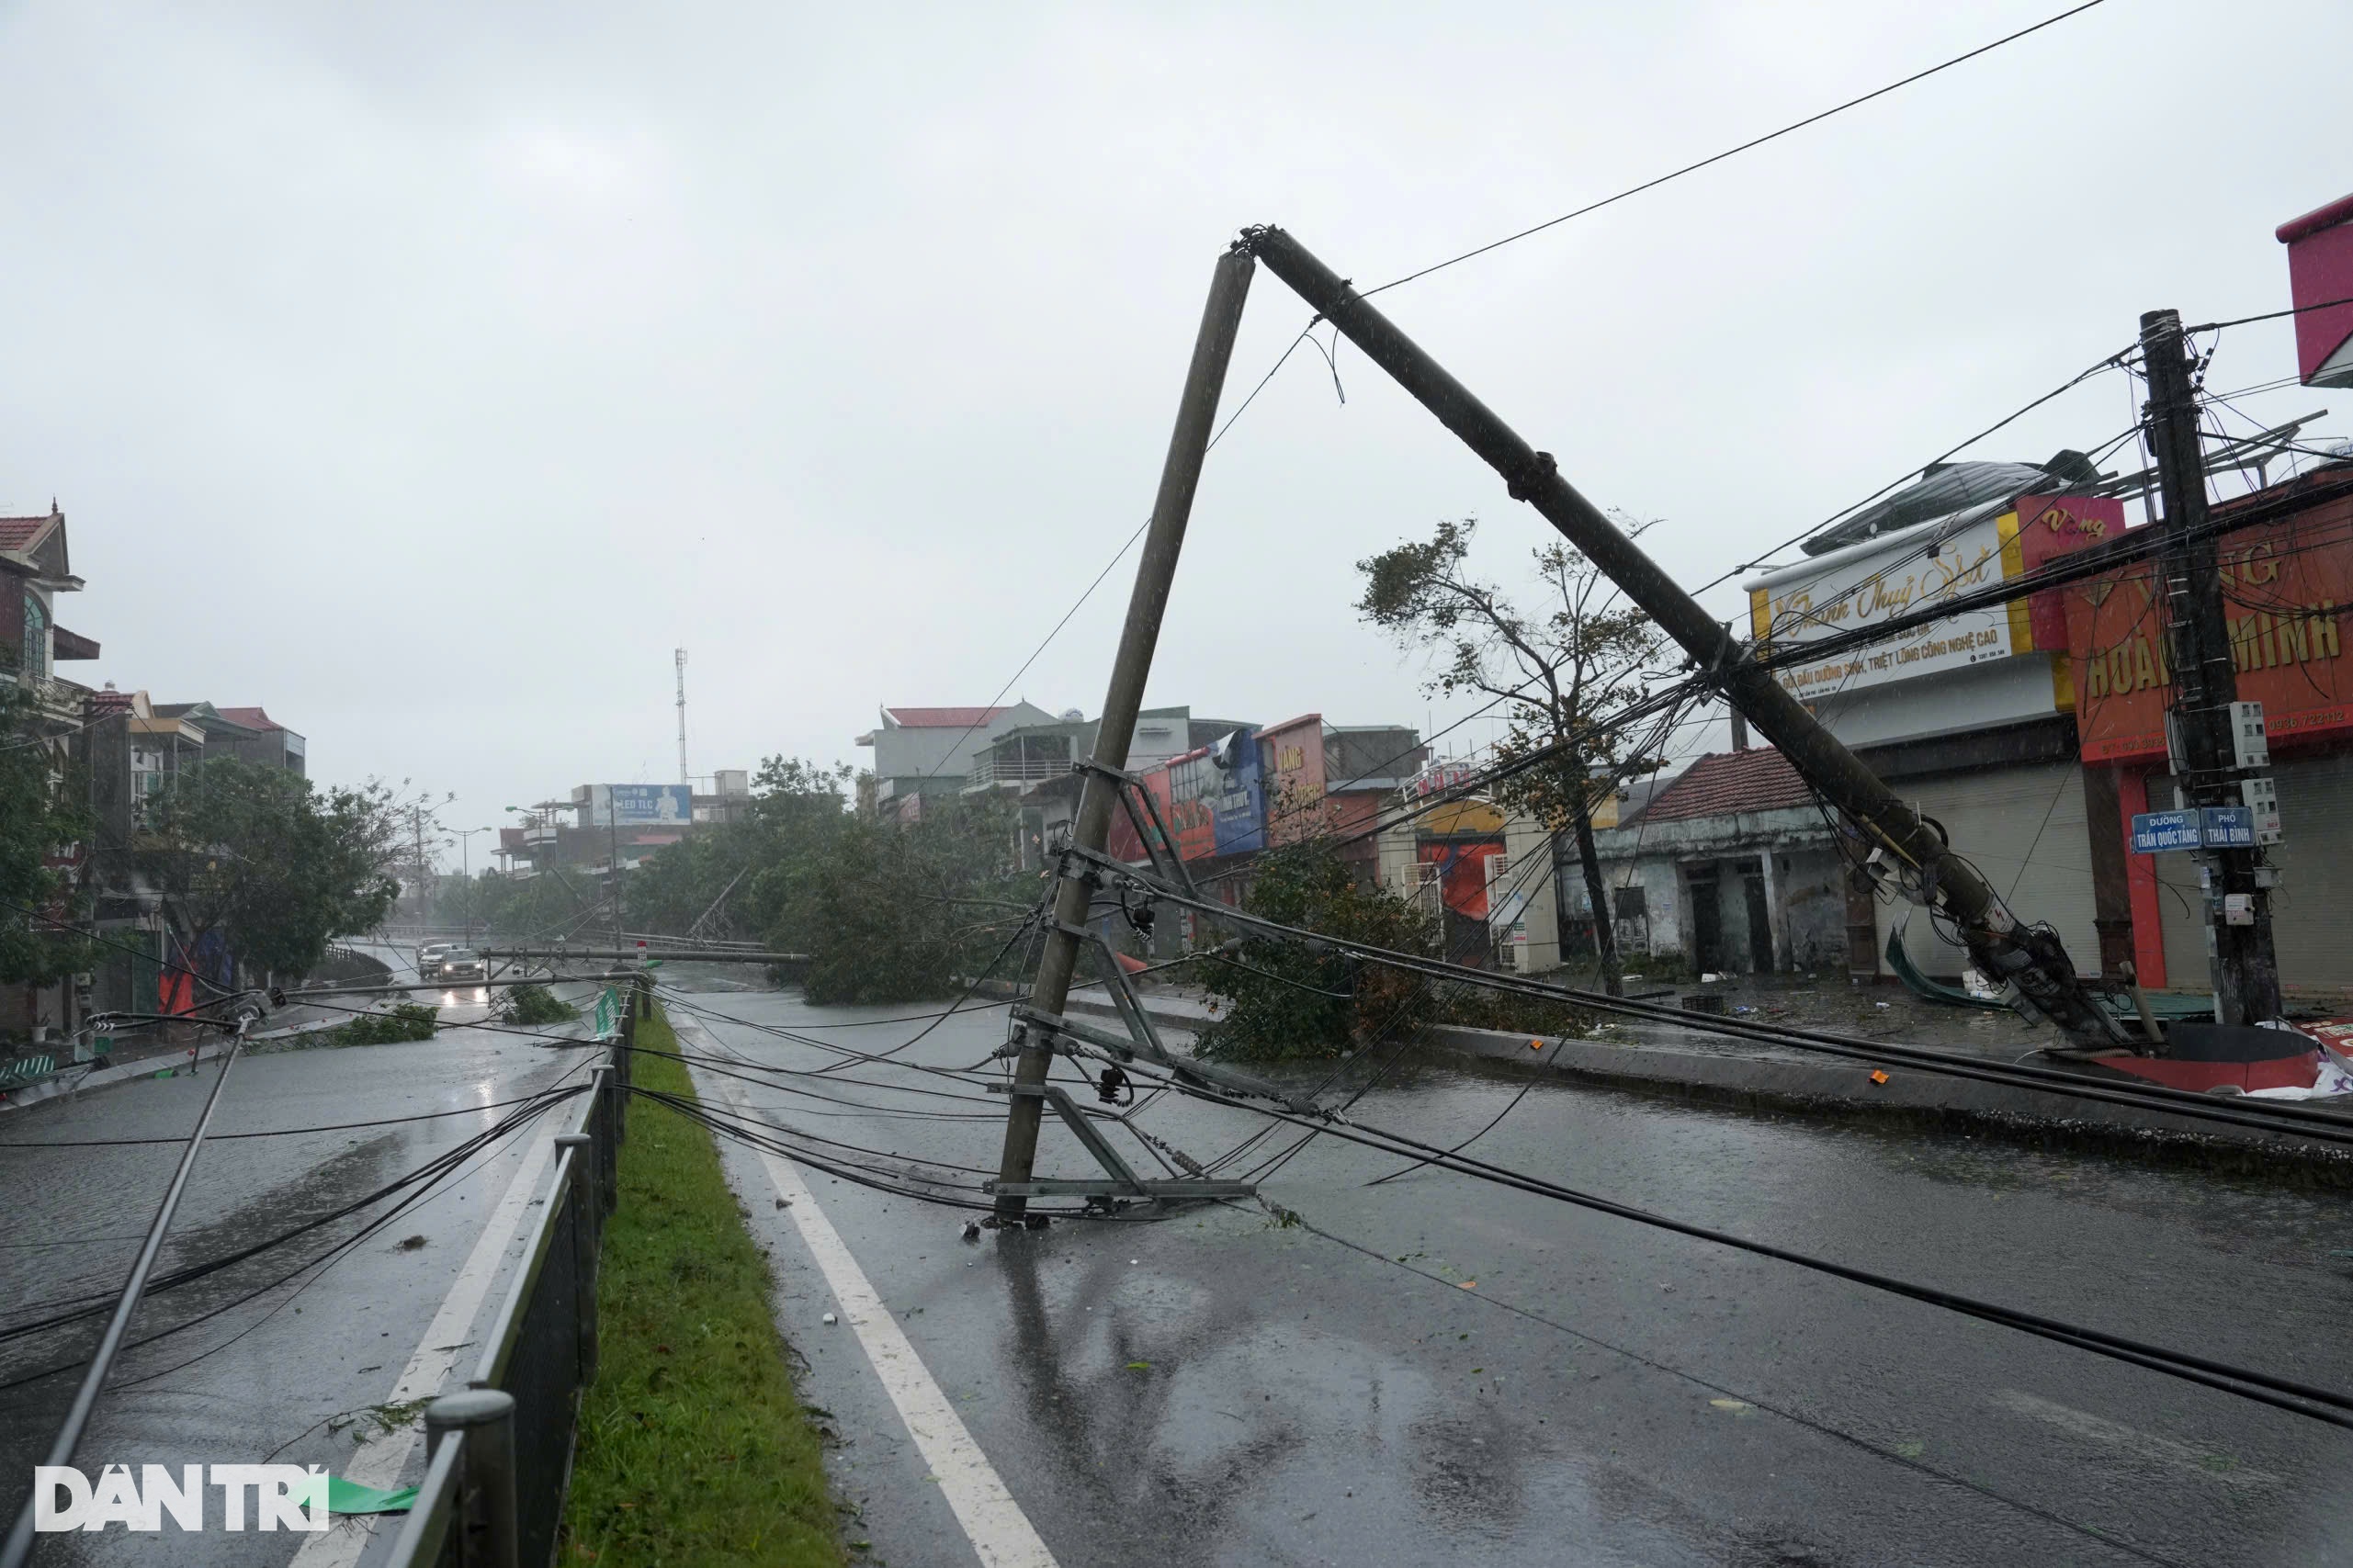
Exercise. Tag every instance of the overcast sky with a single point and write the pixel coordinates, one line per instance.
(427, 373)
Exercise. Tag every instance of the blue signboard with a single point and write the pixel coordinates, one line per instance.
(2215, 828)
(2157, 832)
(1239, 805)
(646, 805)
(2229, 828)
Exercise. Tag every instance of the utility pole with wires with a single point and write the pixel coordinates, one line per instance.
(1213, 350)
(2214, 765)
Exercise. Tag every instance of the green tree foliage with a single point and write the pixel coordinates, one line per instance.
(1287, 998)
(40, 822)
(403, 1021)
(894, 912)
(525, 908)
(274, 864)
(885, 910)
(1565, 671)
(531, 1005)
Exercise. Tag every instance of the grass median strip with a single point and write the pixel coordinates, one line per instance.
(694, 1445)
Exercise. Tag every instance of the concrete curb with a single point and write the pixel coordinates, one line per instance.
(67, 1083)
(1660, 1060)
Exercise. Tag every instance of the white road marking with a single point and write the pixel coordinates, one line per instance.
(1000, 1532)
(2091, 1428)
(379, 1459)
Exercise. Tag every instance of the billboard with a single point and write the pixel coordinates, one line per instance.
(2285, 585)
(1292, 755)
(640, 804)
(1880, 580)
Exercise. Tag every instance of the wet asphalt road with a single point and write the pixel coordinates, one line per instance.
(289, 1367)
(1556, 1386)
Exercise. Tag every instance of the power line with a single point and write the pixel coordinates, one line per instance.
(2282, 1394)
(1733, 151)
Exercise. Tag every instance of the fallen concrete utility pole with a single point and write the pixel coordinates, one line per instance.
(2030, 959)
(667, 954)
(1213, 350)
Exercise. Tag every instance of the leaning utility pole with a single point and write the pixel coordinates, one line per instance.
(2029, 958)
(1213, 348)
(2203, 722)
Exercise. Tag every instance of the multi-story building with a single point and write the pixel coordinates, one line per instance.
(35, 569)
(248, 734)
(919, 751)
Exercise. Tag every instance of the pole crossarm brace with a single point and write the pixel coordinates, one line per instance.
(1154, 836)
(1122, 1181)
(2030, 959)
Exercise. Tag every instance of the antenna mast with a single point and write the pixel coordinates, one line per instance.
(681, 658)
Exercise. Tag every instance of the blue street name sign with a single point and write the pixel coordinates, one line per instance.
(2229, 828)
(2157, 832)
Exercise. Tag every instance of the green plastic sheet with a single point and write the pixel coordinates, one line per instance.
(351, 1497)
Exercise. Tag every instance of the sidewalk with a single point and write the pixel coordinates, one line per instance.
(1676, 1062)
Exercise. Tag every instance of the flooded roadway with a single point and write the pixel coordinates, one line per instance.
(1493, 1378)
(1496, 1378)
(295, 1372)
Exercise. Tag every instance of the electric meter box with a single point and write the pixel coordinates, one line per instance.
(2262, 799)
(2250, 746)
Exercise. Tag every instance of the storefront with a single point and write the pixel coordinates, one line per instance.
(2286, 587)
(1969, 719)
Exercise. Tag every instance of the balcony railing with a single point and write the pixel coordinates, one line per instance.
(991, 773)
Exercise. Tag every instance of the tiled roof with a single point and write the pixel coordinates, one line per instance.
(942, 718)
(109, 701)
(1724, 782)
(249, 719)
(15, 533)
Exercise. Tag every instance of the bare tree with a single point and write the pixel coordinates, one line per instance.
(1565, 671)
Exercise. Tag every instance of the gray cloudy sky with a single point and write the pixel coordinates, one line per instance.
(426, 372)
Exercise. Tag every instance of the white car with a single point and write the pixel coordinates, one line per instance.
(429, 958)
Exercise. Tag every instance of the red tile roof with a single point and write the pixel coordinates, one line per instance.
(942, 718)
(1724, 782)
(249, 719)
(109, 701)
(15, 533)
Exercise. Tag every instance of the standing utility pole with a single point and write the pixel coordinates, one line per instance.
(613, 853)
(682, 718)
(1213, 348)
(2238, 908)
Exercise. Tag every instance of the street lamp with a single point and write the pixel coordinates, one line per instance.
(465, 837)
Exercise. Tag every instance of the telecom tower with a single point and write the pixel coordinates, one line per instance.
(681, 656)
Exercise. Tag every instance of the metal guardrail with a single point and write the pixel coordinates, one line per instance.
(500, 1451)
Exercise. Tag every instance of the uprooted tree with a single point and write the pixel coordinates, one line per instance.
(1566, 669)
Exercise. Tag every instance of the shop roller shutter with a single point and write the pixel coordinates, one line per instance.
(2311, 920)
(2023, 828)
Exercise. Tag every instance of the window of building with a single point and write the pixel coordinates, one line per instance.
(34, 663)
(1631, 903)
